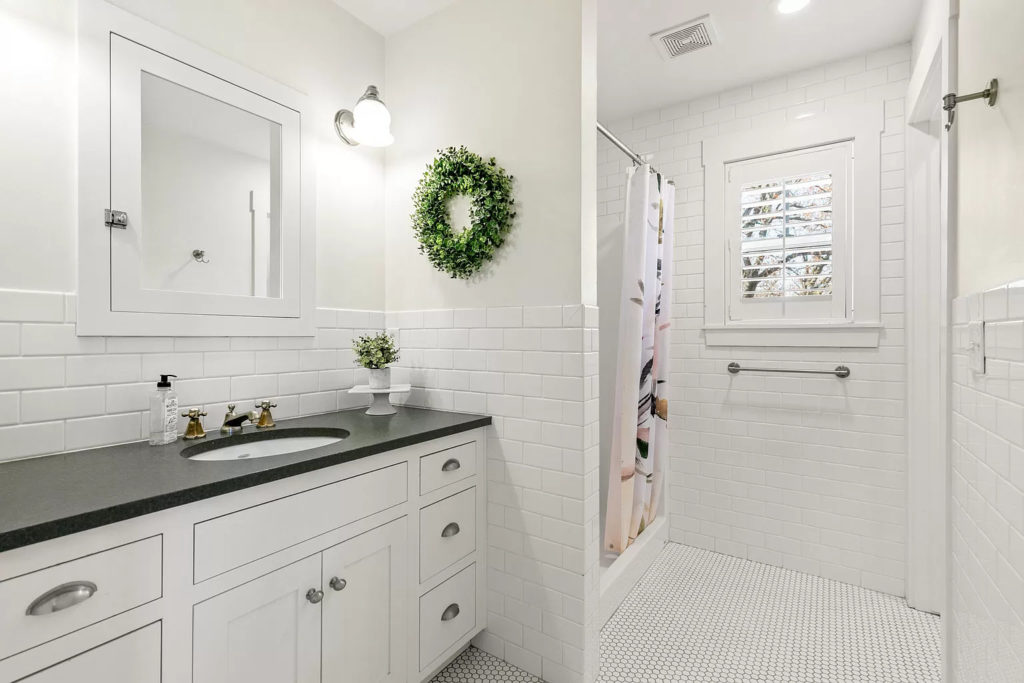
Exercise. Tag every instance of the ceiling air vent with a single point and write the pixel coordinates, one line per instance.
(685, 38)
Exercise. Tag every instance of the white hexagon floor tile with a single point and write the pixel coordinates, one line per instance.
(704, 617)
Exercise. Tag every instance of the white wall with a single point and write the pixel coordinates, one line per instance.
(320, 50)
(991, 149)
(512, 79)
(504, 78)
(807, 473)
(988, 491)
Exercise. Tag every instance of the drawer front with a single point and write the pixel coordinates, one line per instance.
(447, 467)
(241, 537)
(132, 658)
(447, 614)
(78, 593)
(447, 532)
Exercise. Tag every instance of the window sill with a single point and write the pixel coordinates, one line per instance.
(857, 335)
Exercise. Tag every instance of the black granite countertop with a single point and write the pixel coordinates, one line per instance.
(57, 495)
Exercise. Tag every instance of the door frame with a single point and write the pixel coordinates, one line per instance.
(930, 255)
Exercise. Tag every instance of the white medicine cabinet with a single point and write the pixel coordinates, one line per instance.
(195, 190)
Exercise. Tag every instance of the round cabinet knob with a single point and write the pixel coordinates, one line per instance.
(338, 584)
(450, 530)
(450, 612)
(314, 595)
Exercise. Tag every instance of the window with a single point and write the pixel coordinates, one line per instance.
(791, 250)
(786, 237)
(788, 215)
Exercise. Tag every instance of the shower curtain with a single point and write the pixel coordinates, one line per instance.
(640, 428)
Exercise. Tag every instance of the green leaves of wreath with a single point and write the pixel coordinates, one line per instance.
(457, 171)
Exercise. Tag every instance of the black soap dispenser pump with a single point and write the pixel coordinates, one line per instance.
(163, 413)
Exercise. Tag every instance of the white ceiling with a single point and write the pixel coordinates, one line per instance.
(390, 16)
(754, 41)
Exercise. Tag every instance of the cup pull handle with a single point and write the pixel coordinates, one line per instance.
(450, 465)
(450, 612)
(450, 530)
(62, 597)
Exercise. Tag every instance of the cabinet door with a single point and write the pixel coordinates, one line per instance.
(364, 618)
(132, 658)
(264, 631)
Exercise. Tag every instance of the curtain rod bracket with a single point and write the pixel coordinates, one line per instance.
(950, 101)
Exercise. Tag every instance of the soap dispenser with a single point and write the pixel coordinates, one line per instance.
(163, 413)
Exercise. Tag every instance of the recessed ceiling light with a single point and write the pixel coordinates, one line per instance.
(790, 6)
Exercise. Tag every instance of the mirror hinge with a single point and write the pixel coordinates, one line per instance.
(113, 218)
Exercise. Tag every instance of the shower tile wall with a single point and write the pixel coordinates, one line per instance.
(988, 490)
(803, 473)
(534, 370)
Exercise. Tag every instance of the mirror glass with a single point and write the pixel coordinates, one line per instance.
(211, 194)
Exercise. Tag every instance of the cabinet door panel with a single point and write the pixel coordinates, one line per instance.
(265, 631)
(132, 658)
(364, 615)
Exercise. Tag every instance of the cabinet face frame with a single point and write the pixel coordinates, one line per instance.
(100, 26)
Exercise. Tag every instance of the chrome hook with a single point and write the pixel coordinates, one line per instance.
(200, 256)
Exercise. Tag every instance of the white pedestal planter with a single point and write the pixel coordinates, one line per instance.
(381, 396)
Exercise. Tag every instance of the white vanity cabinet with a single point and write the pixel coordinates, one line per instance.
(132, 658)
(364, 609)
(264, 631)
(370, 571)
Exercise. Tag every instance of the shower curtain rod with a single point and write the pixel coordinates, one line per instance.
(633, 156)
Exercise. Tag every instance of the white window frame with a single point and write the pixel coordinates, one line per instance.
(860, 322)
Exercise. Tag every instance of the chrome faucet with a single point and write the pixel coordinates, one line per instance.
(233, 423)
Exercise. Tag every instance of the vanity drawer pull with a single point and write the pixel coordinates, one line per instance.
(450, 530)
(450, 465)
(62, 597)
(450, 612)
(314, 595)
(338, 584)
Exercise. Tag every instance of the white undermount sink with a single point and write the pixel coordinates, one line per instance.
(262, 445)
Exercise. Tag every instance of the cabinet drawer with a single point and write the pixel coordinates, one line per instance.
(447, 467)
(447, 532)
(241, 537)
(447, 614)
(132, 658)
(77, 593)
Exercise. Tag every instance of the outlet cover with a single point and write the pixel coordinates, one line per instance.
(976, 346)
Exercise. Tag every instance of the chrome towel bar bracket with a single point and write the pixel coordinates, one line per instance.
(841, 371)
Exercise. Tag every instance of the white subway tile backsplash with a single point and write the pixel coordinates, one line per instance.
(22, 306)
(106, 369)
(57, 340)
(31, 373)
(57, 404)
(10, 339)
(100, 431)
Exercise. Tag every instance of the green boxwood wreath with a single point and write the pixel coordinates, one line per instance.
(457, 171)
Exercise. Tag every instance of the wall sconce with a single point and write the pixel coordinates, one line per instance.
(369, 123)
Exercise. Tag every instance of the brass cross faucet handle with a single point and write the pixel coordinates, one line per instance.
(266, 420)
(194, 430)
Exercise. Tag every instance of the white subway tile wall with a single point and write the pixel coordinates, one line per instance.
(534, 370)
(807, 473)
(62, 392)
(988, 490)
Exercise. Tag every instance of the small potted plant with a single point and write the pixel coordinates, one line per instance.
(376, 352)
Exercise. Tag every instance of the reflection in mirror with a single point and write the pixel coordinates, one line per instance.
(211, 182)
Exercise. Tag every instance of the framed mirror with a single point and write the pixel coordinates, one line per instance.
(201, 160)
